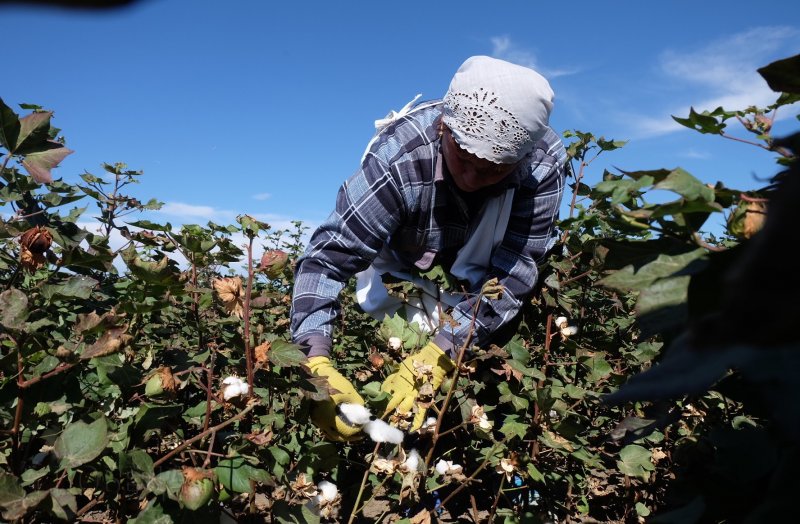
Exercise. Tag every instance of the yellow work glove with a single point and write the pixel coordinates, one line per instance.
(323, 413)
(406, 383)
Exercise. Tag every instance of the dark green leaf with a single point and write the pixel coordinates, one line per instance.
(63, 504)
(236, 473)
(9, 127)
(783, 75)
(78, 286)
(81, 443)
(285, 354)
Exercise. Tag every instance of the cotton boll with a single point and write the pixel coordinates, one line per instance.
(327, 491)
(569, 331)
(412, 461)
(380, 431)
(561, 322)
(234, 387)
(395, 343)
(441, 467)
(355, 413)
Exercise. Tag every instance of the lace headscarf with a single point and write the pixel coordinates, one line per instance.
(497, 110)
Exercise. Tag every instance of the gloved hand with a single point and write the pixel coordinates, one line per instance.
(323, 413)
(404, 384)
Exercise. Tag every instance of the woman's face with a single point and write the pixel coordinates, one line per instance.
(471, 173)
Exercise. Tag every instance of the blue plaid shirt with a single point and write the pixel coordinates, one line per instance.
(399, 197)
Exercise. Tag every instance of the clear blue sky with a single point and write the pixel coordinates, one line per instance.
(264, 107)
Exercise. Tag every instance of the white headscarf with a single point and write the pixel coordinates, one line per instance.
(497, 110)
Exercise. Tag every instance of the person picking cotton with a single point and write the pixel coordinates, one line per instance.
(473, 183)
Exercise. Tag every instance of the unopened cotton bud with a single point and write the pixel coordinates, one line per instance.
(561, 322)
(355, 413)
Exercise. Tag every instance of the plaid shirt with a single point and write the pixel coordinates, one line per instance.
(399, 197)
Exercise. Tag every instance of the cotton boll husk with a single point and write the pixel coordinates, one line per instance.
(380, 431)
(327, 491)
(355, 413)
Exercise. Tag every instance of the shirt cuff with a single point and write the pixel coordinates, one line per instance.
(315, 345)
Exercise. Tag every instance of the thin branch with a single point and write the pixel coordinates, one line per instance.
(202, 435)
(361, 488)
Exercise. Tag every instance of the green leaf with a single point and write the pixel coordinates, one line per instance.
(236, 473)
(13, 309)
(78, 286)
(701, 122)
(81, 443)
(630, 279)
(513, 428)
(285, 354)
(686, 185)
(152, 514)
(146, 224)
(39, 163)
(168, 482)
(634, 461)
(63, 504)
(662, 306)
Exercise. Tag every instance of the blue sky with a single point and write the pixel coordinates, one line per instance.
(265, 107)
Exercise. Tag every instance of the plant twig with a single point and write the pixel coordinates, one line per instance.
(246, 315)
(202, 435)
(361, 487)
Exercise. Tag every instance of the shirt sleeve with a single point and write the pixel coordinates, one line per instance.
(369, 207)
(530, 234)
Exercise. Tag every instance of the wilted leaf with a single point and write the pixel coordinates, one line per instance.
(81, 443)
(111, 341)
(39, 163)
(13, 309)
(10, 489)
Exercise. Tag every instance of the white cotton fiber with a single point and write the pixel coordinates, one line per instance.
(380, 431)
(355, 413)
(327, 491)
(412, 461)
